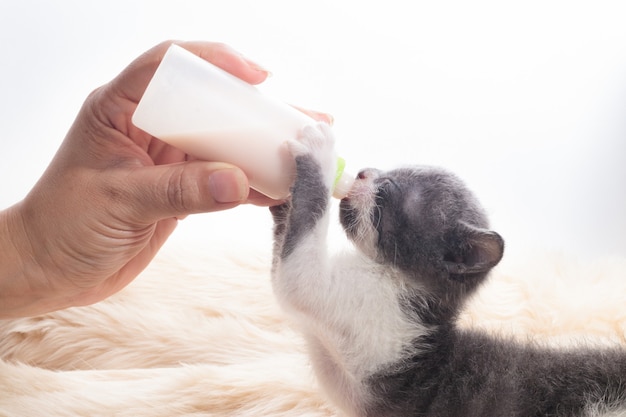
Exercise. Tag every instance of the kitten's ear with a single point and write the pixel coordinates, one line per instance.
(477, 251)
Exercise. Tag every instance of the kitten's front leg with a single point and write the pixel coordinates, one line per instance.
(300, 258)
(303, 277)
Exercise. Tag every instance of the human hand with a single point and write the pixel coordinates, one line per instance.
(111, 197)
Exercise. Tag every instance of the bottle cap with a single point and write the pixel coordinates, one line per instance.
(343, 180)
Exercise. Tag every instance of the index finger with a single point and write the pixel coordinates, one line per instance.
(133, 80)
(258, 199)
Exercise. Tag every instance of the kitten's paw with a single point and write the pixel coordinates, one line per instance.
(318, 142)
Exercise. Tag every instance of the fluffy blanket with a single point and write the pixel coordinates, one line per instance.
(199, 333)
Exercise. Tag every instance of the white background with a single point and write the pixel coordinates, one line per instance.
(525, 100)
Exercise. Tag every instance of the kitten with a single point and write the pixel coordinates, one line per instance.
(379, 321)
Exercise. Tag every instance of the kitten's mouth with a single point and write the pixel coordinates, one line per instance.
(349, 209)
(358, 201)
(355, 215)
(360, 191)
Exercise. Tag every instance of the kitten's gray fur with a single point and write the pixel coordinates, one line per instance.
(380, 321)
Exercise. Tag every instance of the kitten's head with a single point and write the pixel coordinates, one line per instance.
(424, 221)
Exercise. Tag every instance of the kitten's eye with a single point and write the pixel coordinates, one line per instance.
(384, 195)
(384, 190)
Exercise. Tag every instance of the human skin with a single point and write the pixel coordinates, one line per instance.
(111, 197)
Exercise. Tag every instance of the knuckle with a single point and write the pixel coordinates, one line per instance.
(176, 192)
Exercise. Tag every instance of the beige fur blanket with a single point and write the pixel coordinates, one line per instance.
(199, 334)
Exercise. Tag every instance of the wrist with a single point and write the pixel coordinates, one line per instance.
(21, 292)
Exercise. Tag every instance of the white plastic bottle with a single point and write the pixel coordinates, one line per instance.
(213, 115)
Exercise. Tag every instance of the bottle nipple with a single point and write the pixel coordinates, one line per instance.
(343, 180)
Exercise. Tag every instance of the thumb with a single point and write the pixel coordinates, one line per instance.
(175, 190)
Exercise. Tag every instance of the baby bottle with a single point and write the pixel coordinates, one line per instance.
(213, 115)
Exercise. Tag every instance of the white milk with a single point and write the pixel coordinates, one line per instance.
(212, 115)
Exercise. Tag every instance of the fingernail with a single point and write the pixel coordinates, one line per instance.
(258, 67)
(325, 117)
(228, 186)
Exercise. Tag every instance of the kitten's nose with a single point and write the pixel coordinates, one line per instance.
(367, 173)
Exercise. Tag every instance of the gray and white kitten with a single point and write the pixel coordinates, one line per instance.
(379, 321)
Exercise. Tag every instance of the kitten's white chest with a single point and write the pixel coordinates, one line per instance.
(355, 325)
